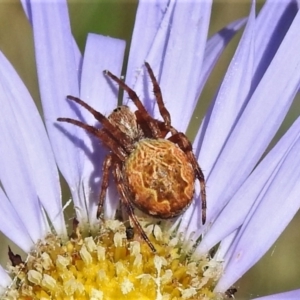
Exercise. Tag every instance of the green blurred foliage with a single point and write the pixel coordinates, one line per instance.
(278, 270)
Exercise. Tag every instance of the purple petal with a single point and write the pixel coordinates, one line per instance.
(12, 226)
(24, 122)
(230, 101)
(101, 53)
(214, 48)
(291, 295)
(249, 191)
(273, 22)
(224, 246)
(191, 220)
(232, 93)
(277, 204)
(58, 72)
(148, 18)
(27, 9)
(20, 126)
(257, 125)
(5, 279)
(176, 56)
(15, 178)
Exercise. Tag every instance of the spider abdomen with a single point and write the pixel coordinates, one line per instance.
(155, 174)
(160, 178)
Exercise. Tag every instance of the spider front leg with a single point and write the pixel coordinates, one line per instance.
(125, 199)
(184, 144)
(149, 121)
(105, 178)
(102, 135)
(113, 130)
(158, 95)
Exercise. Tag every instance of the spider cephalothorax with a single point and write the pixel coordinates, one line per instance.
(153, 172)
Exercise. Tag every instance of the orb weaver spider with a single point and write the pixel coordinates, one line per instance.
(152, 172)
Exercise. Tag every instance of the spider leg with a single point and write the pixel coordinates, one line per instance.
(144, 125)
(155, 132)
(114, 131)
(165, 130)
(173, 130)
(105, 178)
(101, 134)
(184, 144)
(158, 95)
(126, 202)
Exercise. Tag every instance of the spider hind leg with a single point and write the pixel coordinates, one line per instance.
(125, 199)
(184, 144)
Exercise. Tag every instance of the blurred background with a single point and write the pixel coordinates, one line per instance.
(279, 269)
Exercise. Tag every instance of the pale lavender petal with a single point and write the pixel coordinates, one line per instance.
(258, 124)
(5, 279)
(267, 38)
(12, 226)
(224, 246)
(182, 60)
(58, 73)
(273, 21)
(16, 158)
(148, 19)
(27, 9)
(177, 48)
(214, 48)
(190, 220)
(291, 295)
(249, 191)
(221, 117)
(270, 215)
(157, 38)
(101, 53)
(230, 101)
(25, 122)
(17, 184)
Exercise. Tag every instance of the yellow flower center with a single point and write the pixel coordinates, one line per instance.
(109, 266)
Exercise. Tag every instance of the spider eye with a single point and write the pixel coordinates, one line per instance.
(117, 109)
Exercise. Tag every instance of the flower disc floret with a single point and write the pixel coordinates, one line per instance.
(109, 266)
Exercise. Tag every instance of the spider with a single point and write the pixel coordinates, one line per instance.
(152, 172)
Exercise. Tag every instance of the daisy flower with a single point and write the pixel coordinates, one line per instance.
(250, 200)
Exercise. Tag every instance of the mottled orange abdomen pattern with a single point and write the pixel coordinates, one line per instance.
(160, 178)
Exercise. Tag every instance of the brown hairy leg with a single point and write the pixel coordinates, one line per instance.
(185, 145)
(125, 199)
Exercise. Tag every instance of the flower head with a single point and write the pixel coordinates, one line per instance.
(244, 116)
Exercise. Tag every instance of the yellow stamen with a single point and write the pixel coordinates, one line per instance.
(108, 266)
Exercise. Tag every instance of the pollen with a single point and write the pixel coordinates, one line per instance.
(109, 266)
